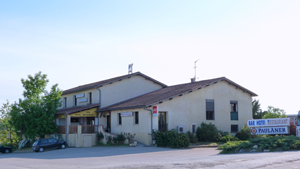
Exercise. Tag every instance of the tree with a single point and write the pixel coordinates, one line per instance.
(34, 115)
(257, 113)
(8, 134)
(274, 113)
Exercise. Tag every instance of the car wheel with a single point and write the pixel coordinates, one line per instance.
(63, 146)
(7, 151)
(41, 149)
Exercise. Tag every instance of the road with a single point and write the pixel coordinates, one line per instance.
(147, 157)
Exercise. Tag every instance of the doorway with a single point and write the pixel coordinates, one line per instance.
(108, 126)
(162, 121)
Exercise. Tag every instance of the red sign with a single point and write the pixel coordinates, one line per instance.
(155, 110)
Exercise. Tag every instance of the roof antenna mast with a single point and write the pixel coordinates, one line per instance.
(195, 66)
(130, 68)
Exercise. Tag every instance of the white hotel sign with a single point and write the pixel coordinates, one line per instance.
(269, 122)
(126, 114)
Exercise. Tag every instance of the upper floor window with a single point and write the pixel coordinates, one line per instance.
(65, 102)
(75, 100)
(90, 97)
(210, 110)
(234, 110)
(136, 117)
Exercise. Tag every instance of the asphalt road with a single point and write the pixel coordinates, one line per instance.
(147, 157)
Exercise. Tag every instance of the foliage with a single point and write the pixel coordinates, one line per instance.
(274, 113)
(292, 129)
(244, 133)
(271, 143)
(129, 137)
(99, 136)
(171, 139)
(8, 135)
(228, 138)
(34, 115)
(193, 137)
(207, 132)
(257, 113)
(119, 139)
(109, 140)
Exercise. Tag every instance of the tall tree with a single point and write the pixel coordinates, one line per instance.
(34, 115)
(274, 113)
(8, 134)
(257, 113)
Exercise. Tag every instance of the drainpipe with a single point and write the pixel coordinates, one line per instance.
(151, 123)
(99, 96)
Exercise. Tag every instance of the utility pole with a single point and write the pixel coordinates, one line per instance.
(195, 69)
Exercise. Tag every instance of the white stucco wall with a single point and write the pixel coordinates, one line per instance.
(115, 92)
(191, 107)
(141, 130)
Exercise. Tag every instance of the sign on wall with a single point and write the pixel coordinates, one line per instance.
(269, 122)
(80, 95)
(270, 130)
(126, 114)
(82, 100)
(155, 110)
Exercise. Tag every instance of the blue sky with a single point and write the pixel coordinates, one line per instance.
(254, 43)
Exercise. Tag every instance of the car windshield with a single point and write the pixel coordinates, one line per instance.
(35, 143)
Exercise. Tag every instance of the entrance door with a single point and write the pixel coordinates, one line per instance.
(108, 127)
(162, 121)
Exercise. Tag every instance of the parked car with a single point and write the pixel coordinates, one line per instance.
(47, 143)
(5, 149)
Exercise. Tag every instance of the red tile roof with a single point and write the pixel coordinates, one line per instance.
(76, 109)
(168, 93)
(109, 81)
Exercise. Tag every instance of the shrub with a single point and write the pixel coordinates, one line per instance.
(228, 138)
(119, 139)
(272, 143)
(207, 132)
(171, 139)
(244, 133)
(129, 137)
(192, 137)
(99, 136)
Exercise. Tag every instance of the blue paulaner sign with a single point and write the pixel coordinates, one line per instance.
(269, 122)
(269, 130)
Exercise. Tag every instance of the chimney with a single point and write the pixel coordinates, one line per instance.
(192, 80)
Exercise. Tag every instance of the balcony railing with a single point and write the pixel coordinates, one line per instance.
(61, 129)
(73, 129)
(234, 116)
(89, 128)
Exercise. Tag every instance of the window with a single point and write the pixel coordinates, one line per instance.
(120, 118)
(136, 117)
(75, 100)
(234, 110)
(234, 128)
(65, 101)
(90, 97)
(194, 126)
(210, 110)
(74, 120)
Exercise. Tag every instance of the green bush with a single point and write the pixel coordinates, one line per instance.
(271, 143)
(228, 138)
(99, 136)
(207, 132)
(192, 137)
(244, 133)
(119, 139)
(171, 139)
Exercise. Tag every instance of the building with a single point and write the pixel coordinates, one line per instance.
(126, 104)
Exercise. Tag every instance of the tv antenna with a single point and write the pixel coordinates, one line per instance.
(195, 67)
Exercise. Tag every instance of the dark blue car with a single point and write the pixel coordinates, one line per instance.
(5, 149)
(47, 144)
